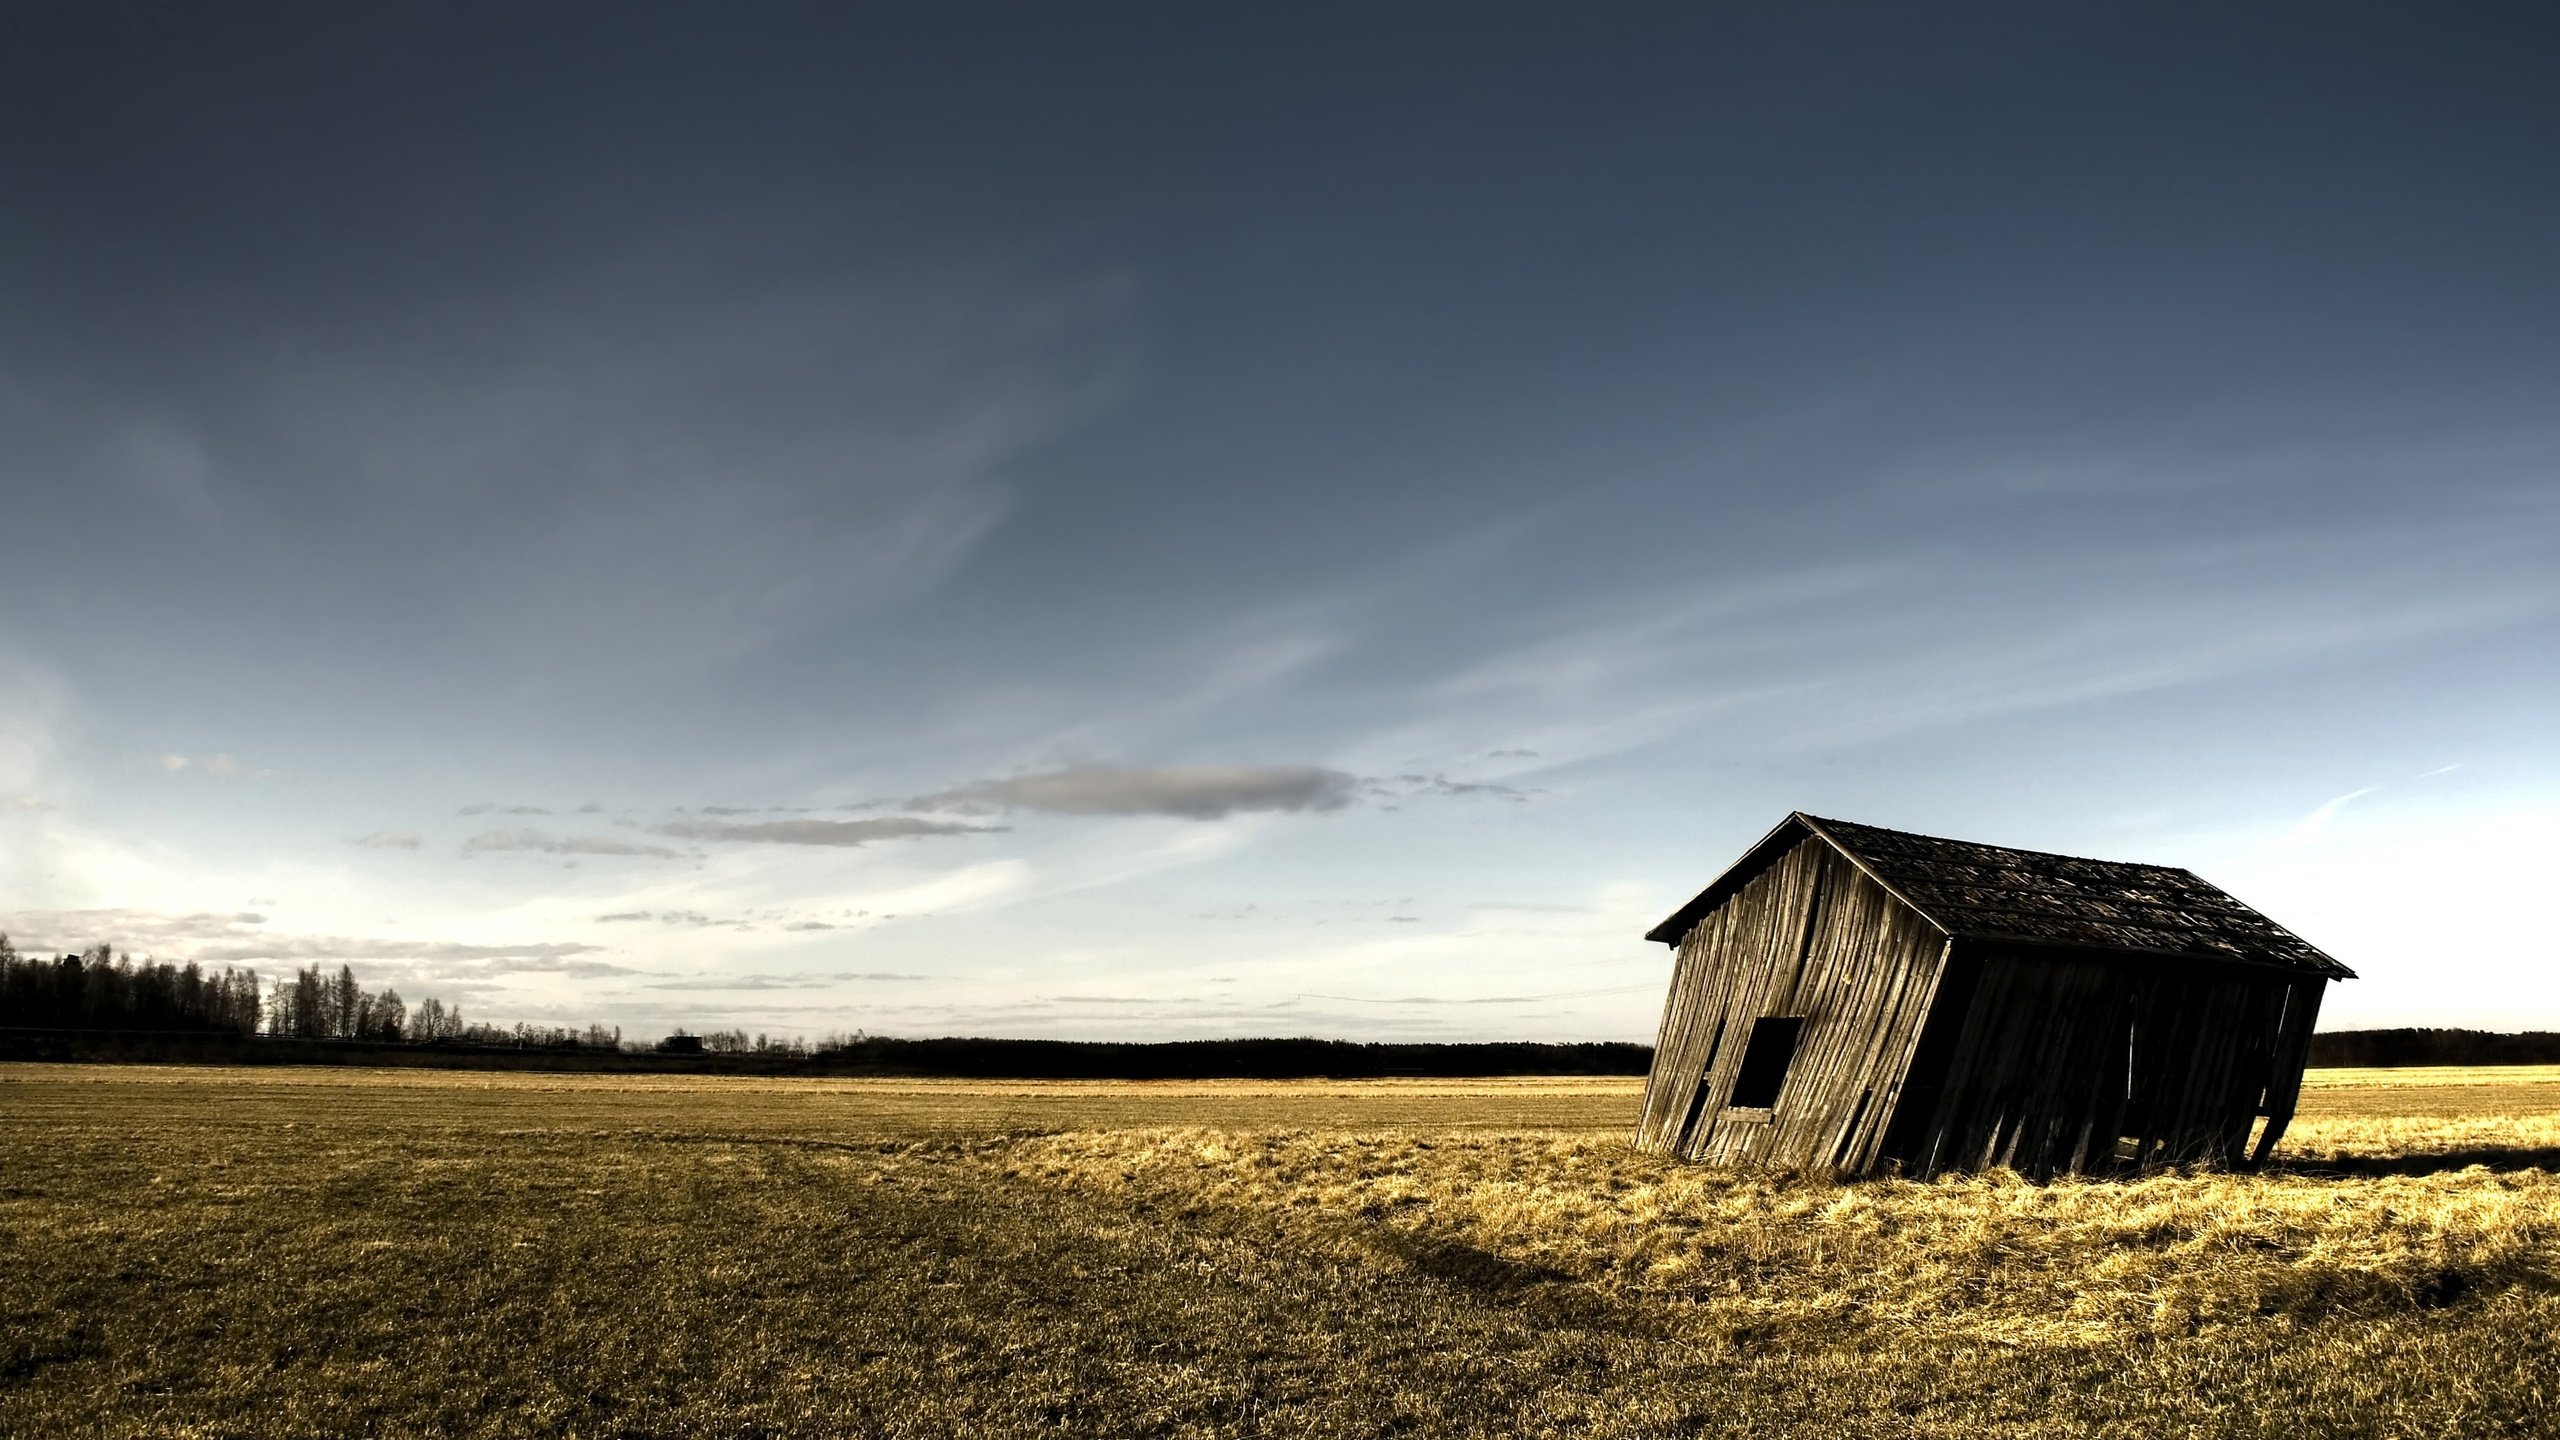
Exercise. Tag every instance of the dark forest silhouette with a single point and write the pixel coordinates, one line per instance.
(2395, 1048)
(93, 991)
(100, 990)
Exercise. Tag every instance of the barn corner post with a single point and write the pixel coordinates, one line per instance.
(1648, 1126)
(1856, 999)
(2292, 1057)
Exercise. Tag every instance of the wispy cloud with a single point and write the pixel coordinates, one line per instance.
(807, 980)
(217, 766)
(1190, 792)
(822, 832)
(549, 955)
(665, 520)
(142, 931)
(1651, 635)
(2308, 828)
(238, 937)
(697, 920)
(1480, 999)
(490, 841)
(168, 463)
(1441, 786)
(389, 840)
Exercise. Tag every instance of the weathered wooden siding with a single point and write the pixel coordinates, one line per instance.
(1813, 936)
(2085, 1061)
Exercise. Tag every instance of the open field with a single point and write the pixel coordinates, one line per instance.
(330, 1252)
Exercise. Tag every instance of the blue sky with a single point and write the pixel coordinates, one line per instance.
(1170, 521)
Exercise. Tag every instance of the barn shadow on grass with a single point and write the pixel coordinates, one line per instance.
(1540, 1293)
(2492, 1157)
(1466, 1266)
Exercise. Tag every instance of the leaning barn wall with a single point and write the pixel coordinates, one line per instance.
(2076, 1061)
(1810, 936)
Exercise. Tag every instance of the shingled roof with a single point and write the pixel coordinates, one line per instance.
(1992, 892)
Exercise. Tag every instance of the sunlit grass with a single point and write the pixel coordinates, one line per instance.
(325, 1252)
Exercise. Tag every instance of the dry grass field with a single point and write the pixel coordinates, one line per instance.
(335, 1252)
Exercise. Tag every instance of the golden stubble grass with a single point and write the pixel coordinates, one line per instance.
(1991, 1259)
(313, 1252)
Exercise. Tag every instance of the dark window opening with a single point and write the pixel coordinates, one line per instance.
(1765, 1058)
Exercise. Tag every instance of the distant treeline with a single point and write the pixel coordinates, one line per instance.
(2435, 1047)
(1294, 1059)
(97, 1005)
(1289, 1059)
(99, 990)
(92, 992)
(730, 1053)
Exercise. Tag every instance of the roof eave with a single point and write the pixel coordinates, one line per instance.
(2335, 964)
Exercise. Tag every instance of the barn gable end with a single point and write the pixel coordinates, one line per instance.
(1810, 937)
(1944, 1005)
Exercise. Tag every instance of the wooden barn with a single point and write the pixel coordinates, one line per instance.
(1865, 1000)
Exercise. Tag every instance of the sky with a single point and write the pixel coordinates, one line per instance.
(1125, 521)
